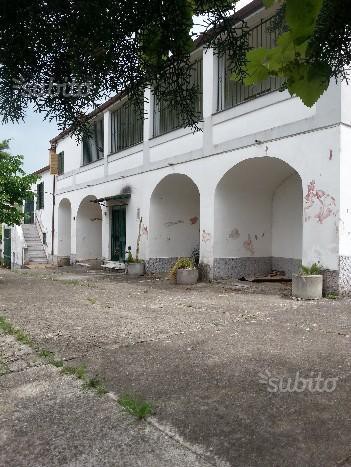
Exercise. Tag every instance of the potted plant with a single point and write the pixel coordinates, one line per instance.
(184, 272)
(308, 283)
(135, 266)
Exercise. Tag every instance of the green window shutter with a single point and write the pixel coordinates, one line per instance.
(61, 163)
(40, 195)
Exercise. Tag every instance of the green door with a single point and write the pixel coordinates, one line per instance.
(7, 248)
(118, 233)
(29, 211)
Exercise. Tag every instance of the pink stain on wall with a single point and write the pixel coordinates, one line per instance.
(194, 220)
(206, 236)
(248, 245)
(318, 200)
(145, 231)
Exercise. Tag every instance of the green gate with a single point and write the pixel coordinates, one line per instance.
(118, 233)
(7, 247)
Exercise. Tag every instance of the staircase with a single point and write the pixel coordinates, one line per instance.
(36, 252)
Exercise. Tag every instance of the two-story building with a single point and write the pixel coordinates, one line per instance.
(263, 186)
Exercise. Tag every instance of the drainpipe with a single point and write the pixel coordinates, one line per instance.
(53, 217)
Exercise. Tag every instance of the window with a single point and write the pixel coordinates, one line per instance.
(232, 93)
(126, 127)
(61, 163)
(93, 147)
(40, 195)
(167, 119)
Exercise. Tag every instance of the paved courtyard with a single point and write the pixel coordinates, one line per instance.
(214, 360)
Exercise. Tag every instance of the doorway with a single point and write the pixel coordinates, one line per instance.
(118, 233)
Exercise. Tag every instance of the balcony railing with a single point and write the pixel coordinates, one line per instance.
(232, 93)
(166, 119)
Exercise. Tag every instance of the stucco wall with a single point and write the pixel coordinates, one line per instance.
(89, 218)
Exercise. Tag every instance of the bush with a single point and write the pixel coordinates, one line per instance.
(181, 263)
(314, 270)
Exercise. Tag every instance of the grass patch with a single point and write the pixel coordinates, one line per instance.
(51, 358)
(21, 336)
(77, 371)
(332, 296)
(3, 368)
(135, 406)
(91, 300)
(95, 384)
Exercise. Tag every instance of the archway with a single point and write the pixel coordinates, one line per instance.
(258, 219)
(64, 229)
(174, 221)
(89, 230)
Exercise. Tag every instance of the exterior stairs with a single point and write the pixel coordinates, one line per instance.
(36, 253)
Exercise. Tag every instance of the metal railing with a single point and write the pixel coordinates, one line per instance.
(166, 119)
(126, 127)
(232, 93)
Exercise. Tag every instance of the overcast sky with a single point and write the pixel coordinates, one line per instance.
(31, 138)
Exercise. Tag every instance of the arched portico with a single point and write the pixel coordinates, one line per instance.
(258, 219)
(64, 231)
(174, 221)
(89, 230)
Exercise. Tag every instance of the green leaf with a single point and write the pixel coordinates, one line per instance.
(308, 82)
(257, 66)
(301, 18)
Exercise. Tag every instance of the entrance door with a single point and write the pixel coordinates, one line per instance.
(118, 233)
(29, 211)
(7, 248)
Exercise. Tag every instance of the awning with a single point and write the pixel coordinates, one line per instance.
(123, 198)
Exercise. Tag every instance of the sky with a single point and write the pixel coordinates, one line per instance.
(31, 138)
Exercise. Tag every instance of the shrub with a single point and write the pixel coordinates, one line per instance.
(181, 263)
(314, 270)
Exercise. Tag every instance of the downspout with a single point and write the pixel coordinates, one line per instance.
(53, 217)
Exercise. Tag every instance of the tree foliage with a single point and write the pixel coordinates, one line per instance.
(15, 186)
(313, 47)
(112, 45)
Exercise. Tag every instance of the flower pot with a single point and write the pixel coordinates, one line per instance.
(136, 269)
(307, 287)
(187, 276)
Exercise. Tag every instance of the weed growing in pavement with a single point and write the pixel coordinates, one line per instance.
(77, 371)
(135, 406)
(96, 384)
(7, 328)
(51, 358)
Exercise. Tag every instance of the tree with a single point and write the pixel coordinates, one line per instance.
(64, 56)
(312, 48)
(15, 186)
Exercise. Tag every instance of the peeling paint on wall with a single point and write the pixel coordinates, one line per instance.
(234, 234)
(206, 236)
(248, 245)
(330, 154)
(172, 223)
(319, 204)
(193, 220)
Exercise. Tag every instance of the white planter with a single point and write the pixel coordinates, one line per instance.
(307, 287)
(187, 276)
(136, 269)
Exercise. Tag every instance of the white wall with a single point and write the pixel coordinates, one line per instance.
(174, 217)
(287, 219)
(44, 216)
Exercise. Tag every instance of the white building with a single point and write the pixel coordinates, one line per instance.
(264, 186)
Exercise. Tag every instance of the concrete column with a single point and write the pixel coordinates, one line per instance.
(105, 211)
(209, 96)
(148, 124)
(107, 140)
(206, 233)
(74, 236)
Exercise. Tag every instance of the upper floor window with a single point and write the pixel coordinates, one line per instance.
(126, 127)
(93, 146)
(167, 119)
(232, 93)
(40, 195)
(61, 163)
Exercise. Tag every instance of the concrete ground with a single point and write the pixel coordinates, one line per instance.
(202, 355)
